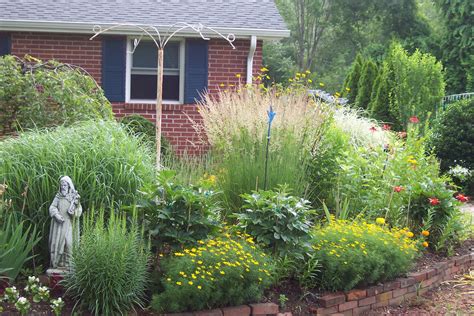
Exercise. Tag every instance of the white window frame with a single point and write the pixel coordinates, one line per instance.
(128, 74)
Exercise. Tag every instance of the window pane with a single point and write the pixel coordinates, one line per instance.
(170, 88)
(171, 58)
(145, 55)
(144, 87)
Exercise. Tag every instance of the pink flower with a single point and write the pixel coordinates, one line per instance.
(373, 129)
(402, 134)
(433, 201)
(462, 198)
(386, 127)
(414, 119)
(398, 188)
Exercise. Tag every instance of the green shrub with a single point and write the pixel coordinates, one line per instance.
(453, 137)
(366, 84)
(275, 219)
(17, 240)
(108, 266)
(179, 214)
(105, 163)
(45, 94)
(356, 254)
(412, 84)
(139, 126)
(227, 270)
(351, 83)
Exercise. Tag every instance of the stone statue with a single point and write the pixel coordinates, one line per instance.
(65, 212)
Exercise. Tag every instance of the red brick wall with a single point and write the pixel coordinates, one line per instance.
(72, 49)
(224, 64)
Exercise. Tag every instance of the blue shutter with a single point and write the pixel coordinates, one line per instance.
(195, 78)
(5, 44)
(113, 68)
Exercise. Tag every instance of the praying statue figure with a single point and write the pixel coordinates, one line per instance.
(65, 212)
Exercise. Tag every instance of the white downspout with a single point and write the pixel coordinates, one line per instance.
(253, 46)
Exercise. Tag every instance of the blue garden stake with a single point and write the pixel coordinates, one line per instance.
(271, 116)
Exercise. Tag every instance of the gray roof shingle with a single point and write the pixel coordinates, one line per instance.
(239, 14)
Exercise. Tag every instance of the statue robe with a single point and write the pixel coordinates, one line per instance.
(62, 235)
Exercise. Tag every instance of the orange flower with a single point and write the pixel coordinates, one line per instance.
(425, 233)
(425, 244)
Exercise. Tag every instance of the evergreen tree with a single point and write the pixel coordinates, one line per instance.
(366, 84)
(351, 83)
(458, 46)
(380, 98)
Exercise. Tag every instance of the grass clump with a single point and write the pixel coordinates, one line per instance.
(235, 124)
(109, 266)
(106, 164)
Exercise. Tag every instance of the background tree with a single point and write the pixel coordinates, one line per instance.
(458, 44)
(327, 35)
(366, 84)
(351, 84)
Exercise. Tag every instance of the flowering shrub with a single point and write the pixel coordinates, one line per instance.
(222, 271)
(359, 253)
(276, 219)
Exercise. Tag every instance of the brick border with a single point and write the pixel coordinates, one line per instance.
(261, 309)
(359, 301)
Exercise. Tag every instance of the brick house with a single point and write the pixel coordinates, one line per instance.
(61, 30)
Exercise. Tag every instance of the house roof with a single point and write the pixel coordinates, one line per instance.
(240, 17)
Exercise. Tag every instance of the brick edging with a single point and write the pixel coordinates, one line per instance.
(358, 301)
(261, 309)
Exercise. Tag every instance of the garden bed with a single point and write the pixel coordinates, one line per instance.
(430, 270)
(417, 292)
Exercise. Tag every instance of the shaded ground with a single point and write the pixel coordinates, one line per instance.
(454, 297)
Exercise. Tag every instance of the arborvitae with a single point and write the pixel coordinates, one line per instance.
(380, 99)
(352, 80)
(366, 84)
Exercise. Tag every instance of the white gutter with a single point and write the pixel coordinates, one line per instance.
(253, 46)
(86, 28)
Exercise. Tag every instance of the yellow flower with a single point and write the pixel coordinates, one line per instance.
(263, 69)
(310, 81)
(238, 75)
(425, 233)
(199, 287)
(348, 89)
(410, 234)
(179, 283)
(321, 84)
(222, 272)
(222, 85)
(190, 283)
(168, 279)
(380, 220)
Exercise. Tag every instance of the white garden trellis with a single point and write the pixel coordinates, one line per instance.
(160, 42)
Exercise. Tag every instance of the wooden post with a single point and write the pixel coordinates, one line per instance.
(159, 104)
